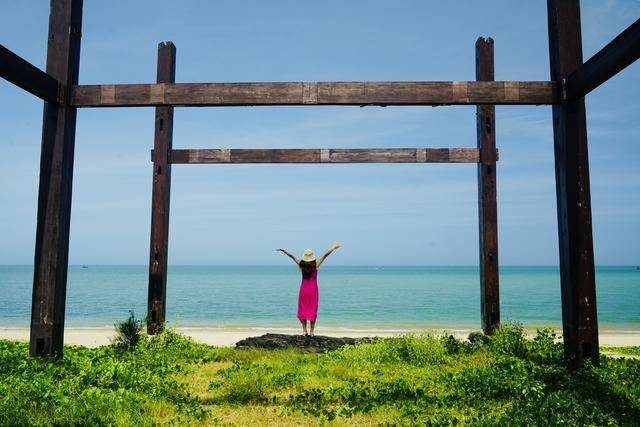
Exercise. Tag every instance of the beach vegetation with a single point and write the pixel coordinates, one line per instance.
(503, 379)
(633, 350)
(129, 332)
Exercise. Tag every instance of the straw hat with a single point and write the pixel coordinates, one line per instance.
(308, 256)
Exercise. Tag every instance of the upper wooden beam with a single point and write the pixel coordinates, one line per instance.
(324, 155)
(610, 60)
(320, 93)
(29, 77)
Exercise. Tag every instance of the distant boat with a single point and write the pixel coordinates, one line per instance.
(84, 266)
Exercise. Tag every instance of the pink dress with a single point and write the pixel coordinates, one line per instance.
(308, 298)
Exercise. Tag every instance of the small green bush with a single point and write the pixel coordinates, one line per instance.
(414, 350)
(508, 339)
(128, 332)
(546, 347)
(455, 346)
(477, 338)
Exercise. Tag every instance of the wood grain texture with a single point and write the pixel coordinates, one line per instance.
(56, 183)
(609, 61)
(334, 155)
(160, 199)
(317, 93)
(29, 77)
(487, 195)
(577, 273)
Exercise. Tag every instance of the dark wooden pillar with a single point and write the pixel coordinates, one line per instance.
(56, 176)
(162, 144)
(577, 276)
(487, 204)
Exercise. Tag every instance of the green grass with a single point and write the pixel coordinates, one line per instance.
(420, 380)
(630, 351)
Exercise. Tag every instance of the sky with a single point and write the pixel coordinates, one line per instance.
(393, 214)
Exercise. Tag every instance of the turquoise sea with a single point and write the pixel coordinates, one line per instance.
(350, 297)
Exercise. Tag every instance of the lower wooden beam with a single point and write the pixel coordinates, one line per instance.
(333, 155)
(316, 93)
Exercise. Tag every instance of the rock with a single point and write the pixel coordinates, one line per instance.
(316, 344)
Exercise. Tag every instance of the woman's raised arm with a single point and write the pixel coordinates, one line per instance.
(323, 257)
(293, 257)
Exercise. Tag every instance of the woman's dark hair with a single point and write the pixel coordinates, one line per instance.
(307, 268)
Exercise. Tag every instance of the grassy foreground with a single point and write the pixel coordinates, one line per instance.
(424, 380)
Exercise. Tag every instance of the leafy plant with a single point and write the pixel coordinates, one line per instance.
(128, 332)
(477, 338)
(508, 339)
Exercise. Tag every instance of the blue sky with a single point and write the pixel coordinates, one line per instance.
(382, 214)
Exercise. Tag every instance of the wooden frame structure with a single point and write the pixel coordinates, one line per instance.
(571, 80)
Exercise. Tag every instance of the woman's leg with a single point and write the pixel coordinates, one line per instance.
(304, 326)
(313, 325)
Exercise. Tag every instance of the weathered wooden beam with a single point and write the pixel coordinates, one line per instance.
(320, 93)
(609, 61)
(326, 155)
(160, 200)
(29, 77)
(56, 176)
(487, 195)
(577, 275)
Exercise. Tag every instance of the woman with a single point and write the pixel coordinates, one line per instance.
(308, 297)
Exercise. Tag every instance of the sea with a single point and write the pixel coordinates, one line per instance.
(357, 297)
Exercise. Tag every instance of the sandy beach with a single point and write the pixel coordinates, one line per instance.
(226, 337)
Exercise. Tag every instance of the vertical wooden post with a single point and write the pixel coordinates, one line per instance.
(162, 144)
(56, 179)
(487, 204)
(577, 275)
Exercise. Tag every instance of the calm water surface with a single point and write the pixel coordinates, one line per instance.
(350, 297)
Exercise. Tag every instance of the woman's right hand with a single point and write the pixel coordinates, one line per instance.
(336, 246)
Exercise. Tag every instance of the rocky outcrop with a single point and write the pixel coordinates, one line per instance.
(316, 344)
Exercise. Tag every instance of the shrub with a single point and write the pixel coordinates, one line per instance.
(128, 332)
(509, 339)
(244, 382)
(477, 338)
(415, 350)
(455, 346)
(545, 346)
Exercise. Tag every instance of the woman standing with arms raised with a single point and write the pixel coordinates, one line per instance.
(308, 297)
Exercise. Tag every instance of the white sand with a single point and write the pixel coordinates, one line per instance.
(93, 337)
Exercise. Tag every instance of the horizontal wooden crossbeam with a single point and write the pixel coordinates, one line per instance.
(28, 77)
(610, 60)
(320, 93)
(326, 155)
